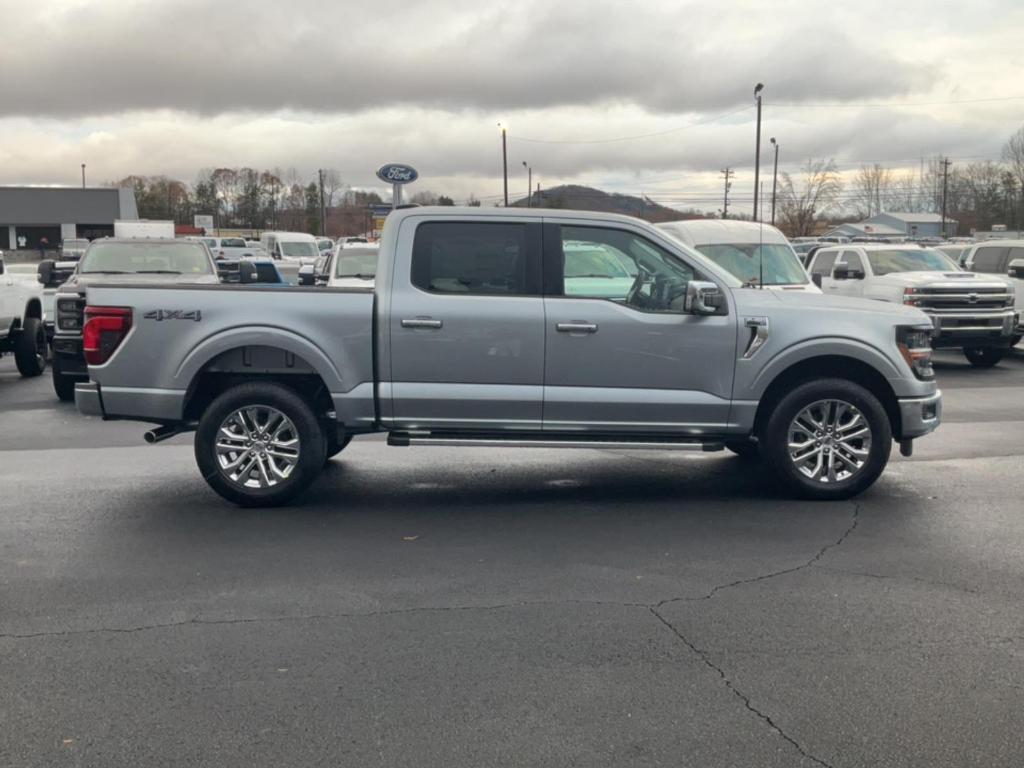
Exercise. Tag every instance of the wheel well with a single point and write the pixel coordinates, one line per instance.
(247, 364)
(829, 367)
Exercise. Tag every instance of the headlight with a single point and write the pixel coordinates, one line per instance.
(67, 305)
(915, 344)
(910, 297)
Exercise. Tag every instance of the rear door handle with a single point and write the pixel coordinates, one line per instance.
(421, 322)
(576, 327)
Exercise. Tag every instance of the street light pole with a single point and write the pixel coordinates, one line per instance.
(757, 146)
(946, 162)
(504, 161)
(83, 175)
(775, 176)
(529, 184)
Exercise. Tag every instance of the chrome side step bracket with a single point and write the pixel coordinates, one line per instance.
(405, 439)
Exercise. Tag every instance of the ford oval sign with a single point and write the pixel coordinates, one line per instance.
(396, 173)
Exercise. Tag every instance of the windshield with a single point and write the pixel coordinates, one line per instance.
(743, 260)
(356, 264)
(301, 249)
(75, 245)
(232, 242)
(182, 257)
(910, 260)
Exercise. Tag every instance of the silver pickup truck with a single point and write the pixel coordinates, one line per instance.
(476, 333)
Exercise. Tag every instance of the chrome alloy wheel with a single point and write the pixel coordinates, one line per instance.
(829, 441)
(257, 447)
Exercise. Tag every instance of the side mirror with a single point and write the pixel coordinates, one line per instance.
(246, 272)
(45, 272)
(702, 298)
(1016, 269)
(307, 275)
(841, 272)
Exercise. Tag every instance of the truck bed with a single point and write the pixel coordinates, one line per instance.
(180, 331)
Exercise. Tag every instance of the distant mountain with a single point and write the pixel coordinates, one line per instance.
(578, 198)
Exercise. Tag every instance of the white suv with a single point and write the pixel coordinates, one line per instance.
(969, 311)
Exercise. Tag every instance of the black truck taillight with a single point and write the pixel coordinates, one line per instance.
(105, 328)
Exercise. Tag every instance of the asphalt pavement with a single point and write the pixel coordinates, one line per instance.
(468, 607)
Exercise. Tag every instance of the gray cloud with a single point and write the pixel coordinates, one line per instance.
(263, 55)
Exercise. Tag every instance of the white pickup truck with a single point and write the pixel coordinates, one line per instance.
(22, 332)
(969, 311)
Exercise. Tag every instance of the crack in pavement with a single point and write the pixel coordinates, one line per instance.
(765, 576)
(901, 577)
(736, 691)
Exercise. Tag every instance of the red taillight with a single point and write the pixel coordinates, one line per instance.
(105, 328)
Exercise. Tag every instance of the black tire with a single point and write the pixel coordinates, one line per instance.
(311, 444)
(63, 383)
(775, 439)
(332, 445)
(747, 450)
(30, 348)
(984, 357)
(1016, 340)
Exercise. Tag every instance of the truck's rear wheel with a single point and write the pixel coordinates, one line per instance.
(984, 357)
(259, 445)
(827, 439)
(30, 348)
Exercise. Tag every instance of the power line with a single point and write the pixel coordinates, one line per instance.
(799, 105)
(637, 136)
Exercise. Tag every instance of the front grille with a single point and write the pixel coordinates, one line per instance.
(963, 299)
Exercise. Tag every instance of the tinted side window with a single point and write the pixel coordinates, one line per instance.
(990, 259)
(823, 261)
(464, 257)
(852, 261)
(1015, 253)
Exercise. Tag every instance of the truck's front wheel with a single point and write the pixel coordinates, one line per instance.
(259, 445)
(64, 383)
(984, 357)
(827, 439)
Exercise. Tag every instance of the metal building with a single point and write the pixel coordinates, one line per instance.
(29, 214)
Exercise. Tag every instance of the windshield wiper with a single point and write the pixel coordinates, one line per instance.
(104, 272)
(360, 275)
(158, 272)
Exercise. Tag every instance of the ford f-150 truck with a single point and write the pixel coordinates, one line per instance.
(473, 334)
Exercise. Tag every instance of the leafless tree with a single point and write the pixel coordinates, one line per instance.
(811, 196)
(872, 190)
(1013, 156)
(333, 187)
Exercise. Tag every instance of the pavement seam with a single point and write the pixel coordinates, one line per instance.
(735, 691)
(765, 576)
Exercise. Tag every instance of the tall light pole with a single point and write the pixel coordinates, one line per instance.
(83, 175)
(946, 162)
(757, 146)
(504, 161)
(775, 176)
(529, 184)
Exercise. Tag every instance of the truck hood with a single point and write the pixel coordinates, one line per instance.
(810, 305)
(79, 282)
(944, 279)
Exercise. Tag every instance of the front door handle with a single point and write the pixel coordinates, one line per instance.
(421, 322)
(576, 327)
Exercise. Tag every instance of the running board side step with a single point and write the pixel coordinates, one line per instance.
(406, 439)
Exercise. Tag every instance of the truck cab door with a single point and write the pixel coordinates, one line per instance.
(465, 326)
(622, 355)
(848, 274)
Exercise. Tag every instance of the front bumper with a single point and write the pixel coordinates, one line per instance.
(919, 415)
(88, 400)
(72, 359)
(961, 329)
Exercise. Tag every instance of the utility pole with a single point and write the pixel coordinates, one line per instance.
(529, 183)
(728, 173)
(504, 161)
(323, 210)
(945, 180)
(757, 147)
(775, 177)
(83, 175)
(539, 201)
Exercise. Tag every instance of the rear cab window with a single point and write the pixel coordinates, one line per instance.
(477, 258)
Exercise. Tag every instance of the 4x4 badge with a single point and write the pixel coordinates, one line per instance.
(174, 314)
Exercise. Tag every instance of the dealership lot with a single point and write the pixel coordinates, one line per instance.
(464, 607)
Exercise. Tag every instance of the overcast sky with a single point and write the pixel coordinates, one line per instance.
(172, 86)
